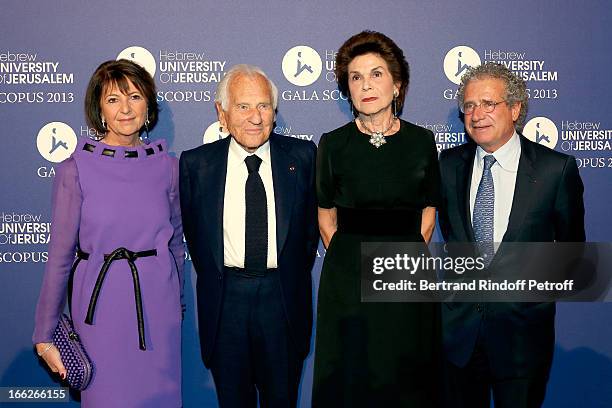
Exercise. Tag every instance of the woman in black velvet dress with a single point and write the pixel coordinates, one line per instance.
(377, 180)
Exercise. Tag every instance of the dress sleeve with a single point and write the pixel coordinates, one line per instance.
(325, 176)
(432, 176)
(177, 247)
(569, 205)
(65, 220)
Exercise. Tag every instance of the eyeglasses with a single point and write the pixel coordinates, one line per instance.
(488, 106)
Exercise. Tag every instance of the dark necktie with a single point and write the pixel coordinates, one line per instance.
(256, 225)
(484, 206)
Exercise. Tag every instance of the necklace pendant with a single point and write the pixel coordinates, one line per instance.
(377, 139)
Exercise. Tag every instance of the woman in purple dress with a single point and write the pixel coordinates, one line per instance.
(115, 203)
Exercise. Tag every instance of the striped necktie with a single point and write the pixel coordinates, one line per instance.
(484, 216)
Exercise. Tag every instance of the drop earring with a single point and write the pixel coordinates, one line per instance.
(145, 139)
(99, 136)
(395, 95)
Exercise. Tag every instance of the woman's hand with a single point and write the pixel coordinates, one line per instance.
(328, 224)
(50, 354)
(428, 223)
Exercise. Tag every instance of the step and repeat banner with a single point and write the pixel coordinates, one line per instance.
(48, 51)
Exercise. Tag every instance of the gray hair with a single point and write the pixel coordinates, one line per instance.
(222, 93)
(516, 88)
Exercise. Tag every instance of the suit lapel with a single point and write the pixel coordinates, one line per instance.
(524, 190)
(464, 177)
(284, 169)
(212, 176)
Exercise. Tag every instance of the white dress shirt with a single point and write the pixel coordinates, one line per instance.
(234, 204)
(504, 180)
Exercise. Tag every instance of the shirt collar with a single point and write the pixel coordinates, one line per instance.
(237, 154)
(506, 156)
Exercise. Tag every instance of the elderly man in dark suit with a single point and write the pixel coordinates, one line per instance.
(249, 214)
(500, 188)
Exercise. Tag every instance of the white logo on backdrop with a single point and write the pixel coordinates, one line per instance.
(141, 56)
(302, 65)
(56, 141)
(458, 60)
(213, 133)
(543, 131)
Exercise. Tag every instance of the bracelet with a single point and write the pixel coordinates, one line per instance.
(45, 350)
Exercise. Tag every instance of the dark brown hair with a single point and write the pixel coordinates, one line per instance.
(367, 42)
(117, 73)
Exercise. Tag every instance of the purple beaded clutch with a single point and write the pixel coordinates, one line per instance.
(78, 365)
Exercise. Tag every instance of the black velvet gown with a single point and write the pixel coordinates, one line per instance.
(374, 354)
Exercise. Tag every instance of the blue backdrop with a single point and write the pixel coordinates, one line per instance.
(49, 50)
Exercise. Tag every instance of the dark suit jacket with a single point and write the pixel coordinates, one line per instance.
(202, 187)
(547, 206)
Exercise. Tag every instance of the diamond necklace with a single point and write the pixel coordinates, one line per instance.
(377, 139)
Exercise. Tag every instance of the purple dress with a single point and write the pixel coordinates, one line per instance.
(106, 197)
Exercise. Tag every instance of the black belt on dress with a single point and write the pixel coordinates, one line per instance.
(130, 256)
(368, 221)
